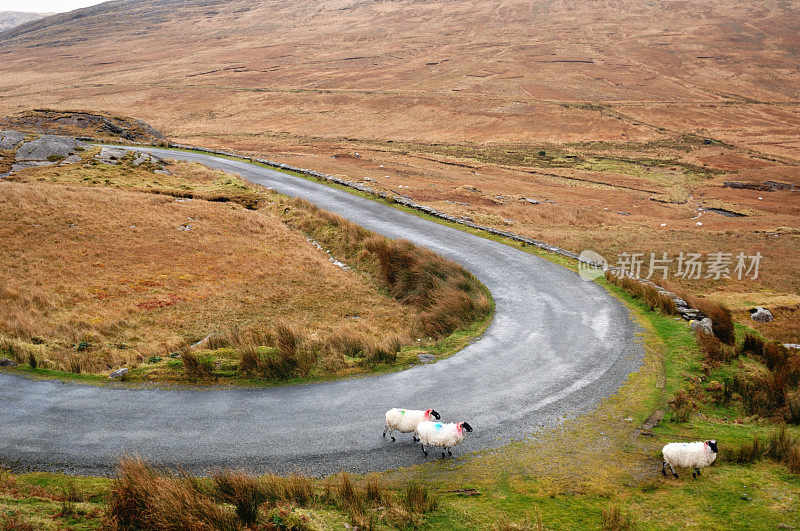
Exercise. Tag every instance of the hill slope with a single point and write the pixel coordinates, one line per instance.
(460, 70)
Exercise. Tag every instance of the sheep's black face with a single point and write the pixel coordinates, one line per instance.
(435, 415)
(713, 445)
(466, 426)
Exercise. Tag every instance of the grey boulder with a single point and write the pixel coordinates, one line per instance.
(761, 315)
(119, 373)
(49, 147)
(704, 325)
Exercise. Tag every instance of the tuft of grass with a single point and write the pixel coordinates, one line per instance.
(752, 345)
(244, 492)
(713, 350)
(142, 498)
(348, 497)
(195, 367)
(720, 315)
(416, 498)
(683, 405)
(614, 518)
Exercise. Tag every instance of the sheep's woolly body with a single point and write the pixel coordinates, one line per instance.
(443, 435)
(688, 455)
(406, 420)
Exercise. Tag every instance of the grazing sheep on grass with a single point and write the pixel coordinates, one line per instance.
(406, 420)
(445, 436)
(694, 455)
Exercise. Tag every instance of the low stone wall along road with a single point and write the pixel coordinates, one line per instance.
(557, 346)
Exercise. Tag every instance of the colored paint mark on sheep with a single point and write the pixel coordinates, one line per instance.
(438, 425)
(402, 411)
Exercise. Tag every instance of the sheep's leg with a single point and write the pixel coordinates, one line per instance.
(449, 452)
(695, 473)
(424, 451)
(673, 470)
(664, 468)
(385, 430)
(416, 439)
(390, 430)
(698, 471)
(443, 455)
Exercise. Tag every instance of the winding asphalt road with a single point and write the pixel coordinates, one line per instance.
(557, 346)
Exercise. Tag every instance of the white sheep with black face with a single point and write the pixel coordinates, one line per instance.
(442, 435)
(406, 420)
(694, 455)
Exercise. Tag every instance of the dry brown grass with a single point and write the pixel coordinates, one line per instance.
(117, 289)
(143, 497)
(445, 295)
(154, 289)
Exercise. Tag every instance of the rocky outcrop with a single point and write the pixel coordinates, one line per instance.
(49, 148)
(11, 139)
(29, 151)
(82, 124)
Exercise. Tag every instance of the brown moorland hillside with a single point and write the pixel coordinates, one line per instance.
(624, 120)
(484, 71)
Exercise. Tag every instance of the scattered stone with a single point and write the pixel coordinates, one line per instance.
(109, 155)
(72, 159)
(703, 325)
(530, 201)
(114, 156)
(119, 373)
(791, 345)
(426, 358)
(761, 315)
(621, 213)
(5, 362)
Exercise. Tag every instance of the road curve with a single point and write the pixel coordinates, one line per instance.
(557, 346)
